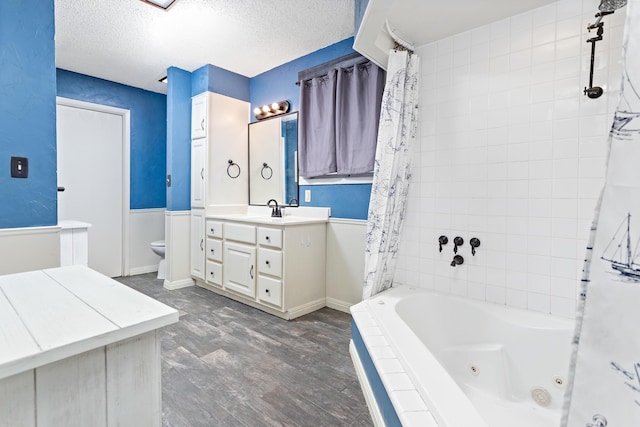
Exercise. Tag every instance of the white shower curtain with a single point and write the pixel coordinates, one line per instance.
(392, 171)
(605, 367)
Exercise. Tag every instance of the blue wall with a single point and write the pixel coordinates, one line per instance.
(179, 139)
(148, 131)
(28, 112)
(218, 80)
(279, 84)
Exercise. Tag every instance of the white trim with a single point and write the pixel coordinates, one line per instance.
(347, 221)
(29, 230)
(143, 270)
(126, 166)
(372, 404)
(178, 284)
(336, 304)
(307, 308)
(145, 211)
(337, 180)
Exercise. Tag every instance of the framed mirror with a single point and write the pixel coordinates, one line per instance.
(273, 160)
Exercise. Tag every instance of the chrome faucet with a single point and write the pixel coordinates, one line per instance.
(276, 211)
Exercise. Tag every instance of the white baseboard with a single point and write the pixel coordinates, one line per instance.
(301, 310)
(339, 305)
(372, 404)
(178, 284)
(143, 270)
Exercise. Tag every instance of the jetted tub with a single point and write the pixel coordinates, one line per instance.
(451, 361)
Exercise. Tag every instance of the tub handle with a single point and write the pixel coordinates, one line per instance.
(442, 240)
(474, 242)
(458, 241)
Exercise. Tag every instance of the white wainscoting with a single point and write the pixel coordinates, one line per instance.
(29, 248)
(345, 262)
(178, 249)
(146, 226)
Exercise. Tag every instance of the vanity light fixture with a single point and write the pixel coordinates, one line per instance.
(162, 4)
(271, 110)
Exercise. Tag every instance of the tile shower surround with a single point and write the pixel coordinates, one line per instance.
(511, 151)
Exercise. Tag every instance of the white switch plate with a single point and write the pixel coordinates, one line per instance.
(307, 196)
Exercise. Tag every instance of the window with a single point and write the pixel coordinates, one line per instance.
(339, 113)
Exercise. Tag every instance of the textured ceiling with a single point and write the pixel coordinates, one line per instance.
(133, 43)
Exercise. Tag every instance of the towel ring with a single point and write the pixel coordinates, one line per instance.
(232, 163)
(267, 168)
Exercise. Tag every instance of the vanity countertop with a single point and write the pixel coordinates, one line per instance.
(49, 315)
(267, 220)
(262, 215)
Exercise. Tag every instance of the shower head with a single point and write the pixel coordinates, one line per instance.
(611, 5)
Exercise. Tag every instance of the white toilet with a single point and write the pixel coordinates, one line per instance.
(158, 248)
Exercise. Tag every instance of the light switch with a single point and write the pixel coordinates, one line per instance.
(19, 167)
(307, 196)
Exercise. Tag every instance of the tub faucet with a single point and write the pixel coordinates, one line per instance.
(457, 260)
(276, 211)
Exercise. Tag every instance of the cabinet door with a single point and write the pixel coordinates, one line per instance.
(228, 134)
(199, 116)
(198, 172)
(240, 269)
(197, 243)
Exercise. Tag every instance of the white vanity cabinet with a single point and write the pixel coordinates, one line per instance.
(277, 268)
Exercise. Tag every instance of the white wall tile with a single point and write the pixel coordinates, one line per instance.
(512, 153)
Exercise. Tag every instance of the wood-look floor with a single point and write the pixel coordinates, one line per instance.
(228, 364)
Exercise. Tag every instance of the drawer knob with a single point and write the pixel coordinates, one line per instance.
(211, 273)
(212, 231)
(212, 251)
(267, 262)
(267, 238)
(266, 290)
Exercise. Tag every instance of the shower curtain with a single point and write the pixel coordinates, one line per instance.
(392, 171)
(605, 367)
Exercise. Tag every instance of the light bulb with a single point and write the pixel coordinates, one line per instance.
(265, 109)
(257, 111)
(275, 106)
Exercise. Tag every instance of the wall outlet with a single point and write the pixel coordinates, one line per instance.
(307, 196)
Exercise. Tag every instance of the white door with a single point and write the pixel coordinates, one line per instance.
(198, 173)
(197, 243)
(90, 147)
(239, 268)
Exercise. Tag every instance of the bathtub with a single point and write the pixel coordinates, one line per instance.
(427, 359)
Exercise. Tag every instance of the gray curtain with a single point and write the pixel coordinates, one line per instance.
(359, 94)
(317, 148)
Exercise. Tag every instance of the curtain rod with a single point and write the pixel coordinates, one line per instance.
(323, 69)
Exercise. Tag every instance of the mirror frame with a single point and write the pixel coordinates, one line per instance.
(294, 159)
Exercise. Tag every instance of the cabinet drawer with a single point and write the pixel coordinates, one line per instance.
(214, 228)
(214, 249)
(240, 232)
(270, 237)
(214, 273)
(270, 262)
(270, 291)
